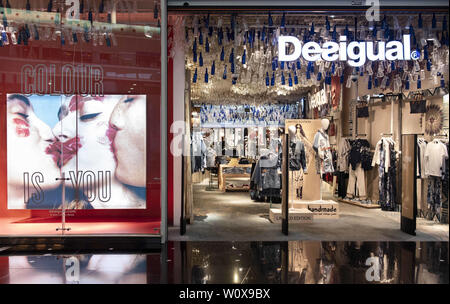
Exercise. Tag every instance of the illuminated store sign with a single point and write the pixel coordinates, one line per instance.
(355, 53)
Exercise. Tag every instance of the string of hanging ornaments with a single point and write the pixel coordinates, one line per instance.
(81, 21)
(235, 58)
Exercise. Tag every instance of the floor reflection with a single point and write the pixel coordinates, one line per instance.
(239, 263)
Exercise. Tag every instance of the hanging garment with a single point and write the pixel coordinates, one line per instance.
(360, 153)
(297, 157)
(385, 158)
(342, 187)
(356, 177)
(435, 158)
(421, 148)
(198, 152)
(343, 155)
(210, 158)
(265, 174)
(434, 194)
(324, 158)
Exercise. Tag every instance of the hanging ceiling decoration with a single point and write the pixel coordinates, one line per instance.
(235, 57)
(434, 120)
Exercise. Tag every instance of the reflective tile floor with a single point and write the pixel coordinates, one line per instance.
(305, 262)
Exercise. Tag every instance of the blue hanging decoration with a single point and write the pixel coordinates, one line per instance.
(210, 31)
(276, 62)
(267, 79)
(283, 80)
(207, 21)
(375, 82)
(263, 34)
(232, 67)
(270, 21)
(433, 21)
(200, 37)
(425, 53)
(346, 30)
(273, 64)
(319, 76)
(392, 66)
(194, 79)
(420, 22)
(222, 54)
(231, 59)
(206, 76)
(442, 81)
(36, 32)
(374, 31)
(311, 31)
(90, 18)
(27, 31)
(290, 80)
(213, 68)
(299, 66)
(50, 6)
(74, 37)
(108, 40)
(328, 78)
(369, 83)
(388, 81)
(407, 83)
(333, 68)
(207, 45)
(272, 80)
(327, 24)
(194, 58)
(308, 75)
(233, 80)
(282, 65)
(283, 20)
(428, 65)
(228, 35)
(334, 34)
(5, 21)
(244, 57)
(200, 60)
(295, 77)
(341, 79)
(384, 23)
(224, 76)
(220, 36)
(419, 83)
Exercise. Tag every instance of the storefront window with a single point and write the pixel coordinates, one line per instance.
(80, 117)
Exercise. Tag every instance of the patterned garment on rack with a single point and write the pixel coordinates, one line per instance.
(434, 197)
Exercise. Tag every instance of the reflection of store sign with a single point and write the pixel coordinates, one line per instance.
(72, 270)
(69, 80)
(355, 53)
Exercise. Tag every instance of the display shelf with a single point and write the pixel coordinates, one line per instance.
(367, 206)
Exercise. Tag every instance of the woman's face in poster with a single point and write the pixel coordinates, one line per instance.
(84, 129)
(129, 121)
(28, 140)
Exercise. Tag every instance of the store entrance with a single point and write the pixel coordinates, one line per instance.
(343, 127)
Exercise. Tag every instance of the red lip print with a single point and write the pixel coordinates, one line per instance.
(22, 127)
(69, 150)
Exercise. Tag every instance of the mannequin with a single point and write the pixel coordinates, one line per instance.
(324, 158)
(297, 160)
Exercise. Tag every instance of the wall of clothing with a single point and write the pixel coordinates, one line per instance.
(432, 168)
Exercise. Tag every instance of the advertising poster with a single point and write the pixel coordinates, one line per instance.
(99, 143)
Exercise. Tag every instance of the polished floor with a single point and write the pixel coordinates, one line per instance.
(233, 216)
(302, 262)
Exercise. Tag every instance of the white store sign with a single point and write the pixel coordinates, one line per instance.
(355, 53)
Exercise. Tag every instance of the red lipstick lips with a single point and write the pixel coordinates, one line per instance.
(69, 150)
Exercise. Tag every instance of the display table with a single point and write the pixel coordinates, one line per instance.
(295, 216)
(367, 206)
(320, 208)
(234, 170)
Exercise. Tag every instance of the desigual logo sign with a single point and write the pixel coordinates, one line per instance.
(356, 53)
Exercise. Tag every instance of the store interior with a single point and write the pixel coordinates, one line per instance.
(351, 131)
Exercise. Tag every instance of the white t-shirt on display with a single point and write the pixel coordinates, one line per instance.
(435, 156)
